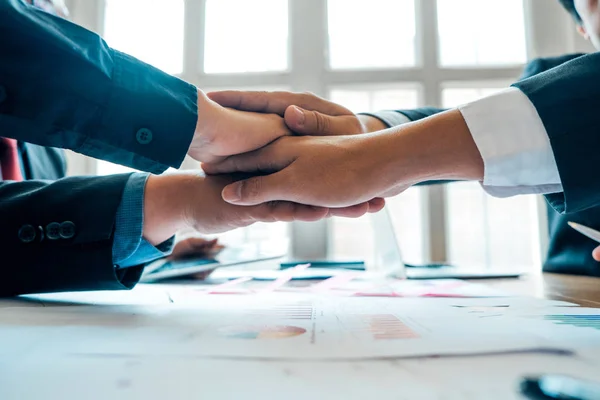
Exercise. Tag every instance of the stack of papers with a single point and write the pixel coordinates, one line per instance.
(175, 321)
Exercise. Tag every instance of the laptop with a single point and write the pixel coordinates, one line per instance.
(388, 258)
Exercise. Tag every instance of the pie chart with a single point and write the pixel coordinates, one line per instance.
(261, 331)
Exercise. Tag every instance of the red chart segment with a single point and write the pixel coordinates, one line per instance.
(388, 327)
(261, 332)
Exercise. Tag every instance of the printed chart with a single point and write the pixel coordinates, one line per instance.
(581, 321)
(261, 332)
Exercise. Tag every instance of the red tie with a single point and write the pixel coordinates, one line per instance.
(9, 160)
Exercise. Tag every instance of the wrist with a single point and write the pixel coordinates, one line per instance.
(384, 160)
(165, 206)
(206, 126)
(436, 148)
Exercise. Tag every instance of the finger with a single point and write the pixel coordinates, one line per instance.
(350, 212)
(288, 211)
(252, 131)
(306, 122)
(263, 102)
(376, 205)
(275, 102)
(358, 210)
(596, 254)
(268, 159)
(301, 212)
(260, 189)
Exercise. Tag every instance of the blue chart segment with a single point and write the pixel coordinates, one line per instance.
(582, 321)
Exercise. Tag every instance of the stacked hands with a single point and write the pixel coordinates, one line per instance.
(277, 156)
(253, 135)
(312, 152)
(323, 163)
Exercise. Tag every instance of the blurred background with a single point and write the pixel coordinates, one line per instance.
(366, 55)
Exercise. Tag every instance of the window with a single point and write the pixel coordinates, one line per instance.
(156, 37)
(457, 93)
(374, 97)
(360, 33)
(366, 55)
(476, 32)
(254, 39)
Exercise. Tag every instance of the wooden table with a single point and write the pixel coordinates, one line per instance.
(581, 290)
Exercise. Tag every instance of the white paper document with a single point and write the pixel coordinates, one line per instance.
(270, 326)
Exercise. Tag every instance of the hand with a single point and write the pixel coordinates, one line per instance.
(195, 247)
(344, 170)
(178, 201)
(221, 132)
(596, 254)
(325, 171)
(304, 113)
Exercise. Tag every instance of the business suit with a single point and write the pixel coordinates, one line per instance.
(61, 86)
(569, 251)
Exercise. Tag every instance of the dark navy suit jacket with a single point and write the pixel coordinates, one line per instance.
(62, 86)
(81, 263)
(569, 251)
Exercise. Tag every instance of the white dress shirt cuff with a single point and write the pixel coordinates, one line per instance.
(514, 145)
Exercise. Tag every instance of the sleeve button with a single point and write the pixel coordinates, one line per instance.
(53, 231)
(144, 136)
(67, 230)
(27, 234)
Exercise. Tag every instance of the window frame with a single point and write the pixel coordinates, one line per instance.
(549, 31)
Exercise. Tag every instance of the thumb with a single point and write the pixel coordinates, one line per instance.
(256, 190)
(314, 123)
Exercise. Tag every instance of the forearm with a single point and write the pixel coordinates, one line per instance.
(437, 148)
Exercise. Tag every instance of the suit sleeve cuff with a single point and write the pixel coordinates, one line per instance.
(130, 248)
(514, 145)
(149, 118)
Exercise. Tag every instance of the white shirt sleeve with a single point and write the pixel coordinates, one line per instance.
(514, 145)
